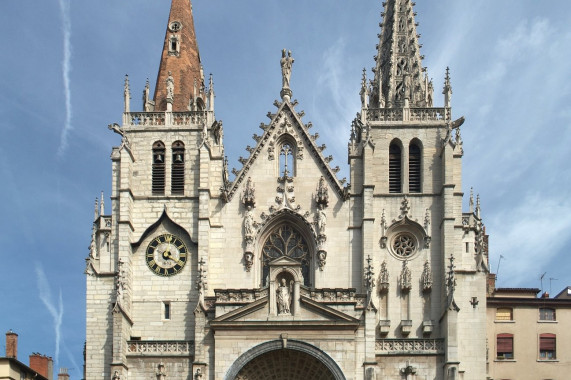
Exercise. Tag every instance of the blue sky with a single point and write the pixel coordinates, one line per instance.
(510, 70)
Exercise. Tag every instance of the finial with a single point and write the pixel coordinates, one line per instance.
(146, 105)
(478, 206)
(471, 200)
(447, 91)
(364, 90)
(96, 213)
(127, 94)
(211, 95)
(102, 205)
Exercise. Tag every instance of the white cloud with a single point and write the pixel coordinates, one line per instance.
(66, 68)
(54, 308)
(529, 236)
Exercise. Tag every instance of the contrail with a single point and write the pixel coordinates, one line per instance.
(56, 310)
(66, 68)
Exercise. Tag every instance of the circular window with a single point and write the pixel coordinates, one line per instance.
(404, 245)
(175, 26)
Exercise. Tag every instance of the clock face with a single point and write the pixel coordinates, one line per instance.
(166, 255)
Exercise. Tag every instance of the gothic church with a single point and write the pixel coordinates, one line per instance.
(281, 270)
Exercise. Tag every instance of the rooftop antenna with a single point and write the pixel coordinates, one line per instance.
(498, 267)
(551, 279)
(541, 279)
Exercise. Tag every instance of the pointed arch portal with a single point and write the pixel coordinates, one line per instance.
(297, 361)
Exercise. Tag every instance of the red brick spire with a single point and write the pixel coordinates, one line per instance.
(181, 61)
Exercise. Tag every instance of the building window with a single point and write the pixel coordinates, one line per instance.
(286, 241)
(395, 168)
(177, 170)
(166, 311)
(546, 314)
(414, 168)
(547, 344)
(505, 346)
(287, 160)
(504, 314)
(158, 184)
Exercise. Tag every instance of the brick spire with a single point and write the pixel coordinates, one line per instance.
(181, 61)
(398, 70)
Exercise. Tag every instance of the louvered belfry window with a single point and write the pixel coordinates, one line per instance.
(414, 162)
(395, 169)
(158, 185)
(177, 171)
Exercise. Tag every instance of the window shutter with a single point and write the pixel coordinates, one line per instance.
(505, 343)
(547, 342)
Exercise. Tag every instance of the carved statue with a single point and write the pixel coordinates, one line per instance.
(198, 374)
(146, 105)
(170, 87)
(405, 277)
(249, 196)
(321, 221)
(284, 293)
(249, 229)
(161, 374)
(116, 376)
(322, 193)
(218, 132)
(286, 63)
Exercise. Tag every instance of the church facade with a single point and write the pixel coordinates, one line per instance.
(281, 270)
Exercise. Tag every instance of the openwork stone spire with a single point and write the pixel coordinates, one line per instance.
(180, 59)
(399, 77)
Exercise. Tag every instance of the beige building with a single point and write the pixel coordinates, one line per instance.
(529, 337)
(40, 368)
(281, 270)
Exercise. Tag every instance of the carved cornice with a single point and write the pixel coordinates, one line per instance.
(177, 348)
(409, 347)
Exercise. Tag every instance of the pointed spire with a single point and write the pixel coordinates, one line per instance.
(127, 95)
(96, 213)
(478, 210)
(102, 205)
(181, 58)
(471, 200)
(398, 70)
(364, 91)
(447, 91)
(211, 94)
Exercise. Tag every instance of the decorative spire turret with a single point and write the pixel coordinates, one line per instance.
(398, 70)
(181, 59)
(127, 95)
(447, 91)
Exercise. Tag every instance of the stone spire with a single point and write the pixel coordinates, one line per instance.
(399, 78)
(181, 59)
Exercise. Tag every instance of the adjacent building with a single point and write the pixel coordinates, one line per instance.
(529, 337)
(280, 269)
(40, 368)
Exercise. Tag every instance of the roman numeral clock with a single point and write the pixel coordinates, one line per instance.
(166, 255)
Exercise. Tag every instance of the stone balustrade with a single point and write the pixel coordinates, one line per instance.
(409, 346)
(160, 348)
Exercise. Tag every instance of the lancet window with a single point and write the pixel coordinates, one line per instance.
(395, 165)
(414, 168)
(285, 240)
(287, 159)
(158, 182)
(177, 169)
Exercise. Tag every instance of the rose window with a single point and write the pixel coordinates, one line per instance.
(404, 245)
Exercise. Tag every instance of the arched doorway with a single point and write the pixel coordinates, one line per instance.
(298, 361)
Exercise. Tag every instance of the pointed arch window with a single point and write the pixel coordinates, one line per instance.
(285, 240)
(158, 182)
(177, 170)
(395, 164)
(287, 154)
(414, 168)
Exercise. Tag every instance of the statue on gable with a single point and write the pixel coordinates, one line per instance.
(286, 63)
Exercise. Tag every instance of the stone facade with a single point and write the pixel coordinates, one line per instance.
(194, 275)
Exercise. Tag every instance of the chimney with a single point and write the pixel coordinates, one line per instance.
(63, 375)
(11, 344)
(42, 364)
(545, 295)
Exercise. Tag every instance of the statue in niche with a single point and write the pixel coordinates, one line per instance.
(170, 87)
(116, 376)
(218, 132)
(286, 63)
(284, 293)
(249, 228)
(321, 220)
(198, 374)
